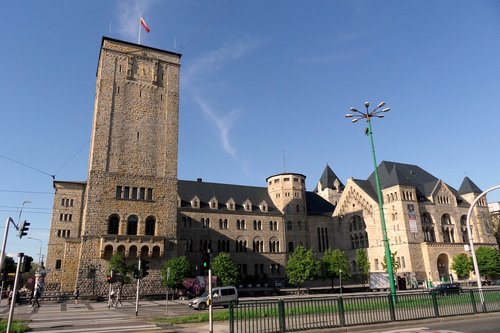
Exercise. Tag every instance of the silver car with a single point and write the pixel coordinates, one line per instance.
(221, 296)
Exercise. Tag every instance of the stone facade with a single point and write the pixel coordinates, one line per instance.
(132, 202)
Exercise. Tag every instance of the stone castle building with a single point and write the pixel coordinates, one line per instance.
(132, 202)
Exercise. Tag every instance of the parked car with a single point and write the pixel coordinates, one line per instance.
(447, 289)
(220, 296)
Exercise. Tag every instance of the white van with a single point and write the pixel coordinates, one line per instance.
(220, 296)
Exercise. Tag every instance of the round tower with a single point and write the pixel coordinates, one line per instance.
(288, 192)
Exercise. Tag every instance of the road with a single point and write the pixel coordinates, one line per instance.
(95, 317)
(469, 324)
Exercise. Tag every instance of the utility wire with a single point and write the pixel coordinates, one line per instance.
(28, 166)
(203, 28)
(34, 192)
(76, 154)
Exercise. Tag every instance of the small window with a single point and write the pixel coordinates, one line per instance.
(134, 193)
(142, 193)
(126, 192)
(150, 194)
(58, 264)
(118, 194)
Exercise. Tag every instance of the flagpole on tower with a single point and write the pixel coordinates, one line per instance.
(139, 40)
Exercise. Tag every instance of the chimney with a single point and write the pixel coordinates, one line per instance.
(199, 180)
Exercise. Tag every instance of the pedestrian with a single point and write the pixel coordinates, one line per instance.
(11, 293)
(37, 296)
(76, 294)
(32, 295)
(17, 298)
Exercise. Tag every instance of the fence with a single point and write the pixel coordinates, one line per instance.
(300, 314)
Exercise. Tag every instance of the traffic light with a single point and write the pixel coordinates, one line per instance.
(5, 275)
(205, 261)
(137, 274)
(109, 279)
(26, 264)
(23, 229)
(144, 268)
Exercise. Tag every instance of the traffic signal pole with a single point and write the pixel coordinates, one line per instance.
(210, 296)
(137, 292)
(14, 292)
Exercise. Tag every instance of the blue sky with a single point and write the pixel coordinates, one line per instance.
(264, 89)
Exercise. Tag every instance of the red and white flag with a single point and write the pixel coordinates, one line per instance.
(144, 25)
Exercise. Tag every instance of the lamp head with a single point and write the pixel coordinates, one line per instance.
(367, 104)
(354, 120)
(381, 104)
(354, 109)
(349, 115)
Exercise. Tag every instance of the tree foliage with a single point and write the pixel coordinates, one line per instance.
(462, 265)
(363, 264)
(302, 266)
(225, 269)
(394, 263)
(122, 269)
(488, 261)
(179, 268)
(335, 264)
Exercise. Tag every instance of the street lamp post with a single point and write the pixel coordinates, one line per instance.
(39, 253)
(340, 281)
(471, 243)
(378, 112)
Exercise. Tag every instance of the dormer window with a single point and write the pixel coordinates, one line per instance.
(263, 206)
(247, 205)
(195, 202)
(214, 203)
(230, 204)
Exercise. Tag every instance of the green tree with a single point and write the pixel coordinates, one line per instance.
(224, 268)
(177, 269)
(488, 261)
(335, 264)
(462, 265)
(122, 269)
(393, 262)
(363, 264)
(302, 266)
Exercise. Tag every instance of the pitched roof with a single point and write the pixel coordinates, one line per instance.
(468, 186)
(393, 173)
(327, 179)
(205, 191)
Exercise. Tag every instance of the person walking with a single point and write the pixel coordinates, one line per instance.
(37, 296)
(76, 294)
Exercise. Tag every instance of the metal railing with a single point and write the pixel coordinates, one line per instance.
(300, 314)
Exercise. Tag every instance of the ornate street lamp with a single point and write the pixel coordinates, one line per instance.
(378, 112)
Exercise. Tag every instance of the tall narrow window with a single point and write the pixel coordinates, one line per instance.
(150, 226)
(132, 225)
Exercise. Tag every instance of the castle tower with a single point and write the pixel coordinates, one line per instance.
(288, 192)
(130, 202)
(329, 186)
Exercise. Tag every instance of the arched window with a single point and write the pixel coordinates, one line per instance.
(258, 245)
(289, 225)
(290, 247)
(463, 228)
(241, 244)
(113, 224)
(132, 225)
(108, 252)
(445, 219)
(357, 230)
(144, 251)
(132, 252)
(150, 226)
